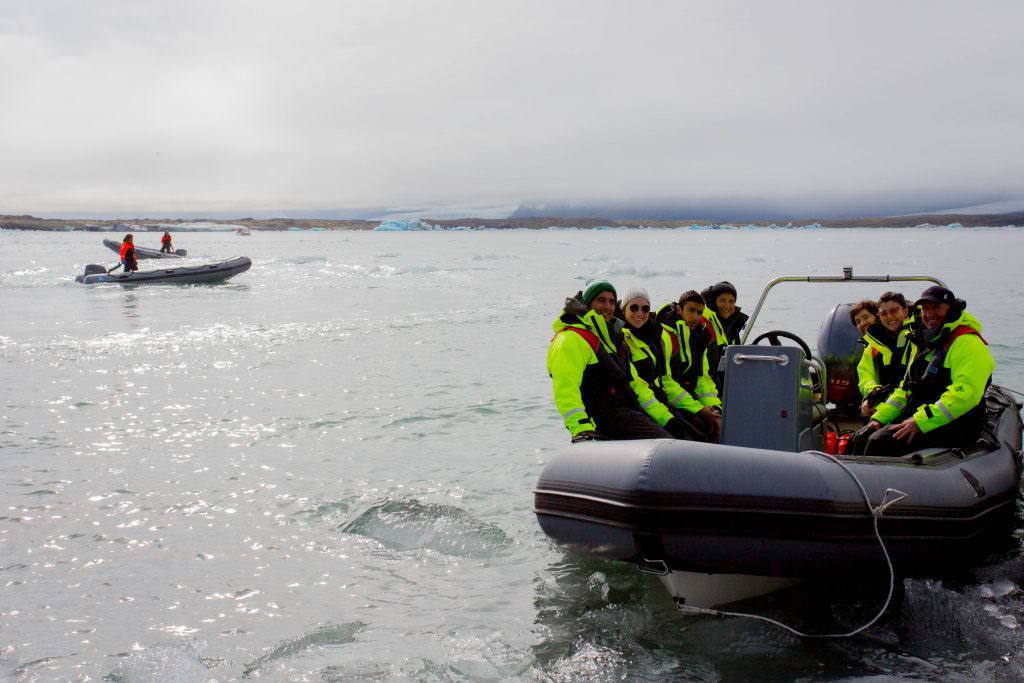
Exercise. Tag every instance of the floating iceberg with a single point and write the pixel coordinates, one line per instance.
(396, 225)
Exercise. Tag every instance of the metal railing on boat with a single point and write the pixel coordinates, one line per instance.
(847, 276)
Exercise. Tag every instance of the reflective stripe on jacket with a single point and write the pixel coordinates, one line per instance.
(688, 364)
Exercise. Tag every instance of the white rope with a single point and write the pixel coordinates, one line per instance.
(876, 513)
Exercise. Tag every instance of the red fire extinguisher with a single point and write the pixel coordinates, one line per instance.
(830, 442)
(844, 439)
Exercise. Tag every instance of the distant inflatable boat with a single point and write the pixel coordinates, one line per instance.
(185, 275)
(767, 507)
(143, 252)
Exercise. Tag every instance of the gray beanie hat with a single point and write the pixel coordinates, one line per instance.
(635, 293)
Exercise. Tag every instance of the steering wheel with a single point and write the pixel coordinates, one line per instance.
(773, 337)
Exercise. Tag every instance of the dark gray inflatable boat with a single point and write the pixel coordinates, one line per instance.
(729, 509)
(767, 507)
(143, 252)
(185, 275)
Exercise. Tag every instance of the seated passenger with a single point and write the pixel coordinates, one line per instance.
(643, 346)
(598, 392)
(885, 359)
(727, 321)
(687, 339)
(864, 314)
(941, 399)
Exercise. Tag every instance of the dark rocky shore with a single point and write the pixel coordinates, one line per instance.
(28, 222)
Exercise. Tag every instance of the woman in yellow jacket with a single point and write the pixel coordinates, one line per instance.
(888, 353)
(643, 344)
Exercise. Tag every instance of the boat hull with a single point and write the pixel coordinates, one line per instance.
(186, 275)
(144, 253)
(717, 509)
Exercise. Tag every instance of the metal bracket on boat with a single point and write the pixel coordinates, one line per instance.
(888, 502)
(781, 359)
(659, 567)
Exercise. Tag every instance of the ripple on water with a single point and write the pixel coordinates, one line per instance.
(178, 661)
(411, 525)
(330, 634)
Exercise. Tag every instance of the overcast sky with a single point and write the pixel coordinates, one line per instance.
(151, 107)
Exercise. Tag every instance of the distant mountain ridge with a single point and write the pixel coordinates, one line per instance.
(753, 209)
(27, 222)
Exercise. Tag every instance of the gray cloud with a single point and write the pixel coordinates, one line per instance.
(221, 106)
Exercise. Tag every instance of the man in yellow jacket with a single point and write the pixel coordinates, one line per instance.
(597, 391)
(941, 399)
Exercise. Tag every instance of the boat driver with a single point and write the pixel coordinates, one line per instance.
(940, 401)
(597, 391)
(127, 254)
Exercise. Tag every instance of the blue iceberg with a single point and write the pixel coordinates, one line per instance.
(397, 225)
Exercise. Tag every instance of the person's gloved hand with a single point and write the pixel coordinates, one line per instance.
(859, 439)
(575, 306)
(676, 428)
(876, 395)
(587, 435)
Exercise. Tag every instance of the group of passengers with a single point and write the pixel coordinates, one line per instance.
(923, 373)
(621, 370)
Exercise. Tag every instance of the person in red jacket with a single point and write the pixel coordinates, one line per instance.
(128, 254)
(165, 244)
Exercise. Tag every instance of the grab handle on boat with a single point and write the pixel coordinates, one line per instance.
(647, 566)
(781, 359)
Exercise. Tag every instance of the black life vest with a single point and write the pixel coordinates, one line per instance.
(700, 339)
(891, 373)
(606, 383)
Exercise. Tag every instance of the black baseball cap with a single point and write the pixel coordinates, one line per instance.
(937, 295)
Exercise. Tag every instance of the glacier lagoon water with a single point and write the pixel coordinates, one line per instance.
(323, 469)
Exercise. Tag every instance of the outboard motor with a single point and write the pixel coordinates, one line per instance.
(91, 269)
(840, 348)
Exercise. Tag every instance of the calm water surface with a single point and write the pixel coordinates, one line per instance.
(323, 469)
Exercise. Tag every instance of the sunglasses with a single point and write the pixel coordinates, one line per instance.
(637, 307)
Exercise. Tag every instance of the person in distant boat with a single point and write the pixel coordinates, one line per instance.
(686, 339)
(642, 345)
(940, 401)
(165, 244)
(726, 318)
(597, 391)
(888, 352)
(128, 261)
